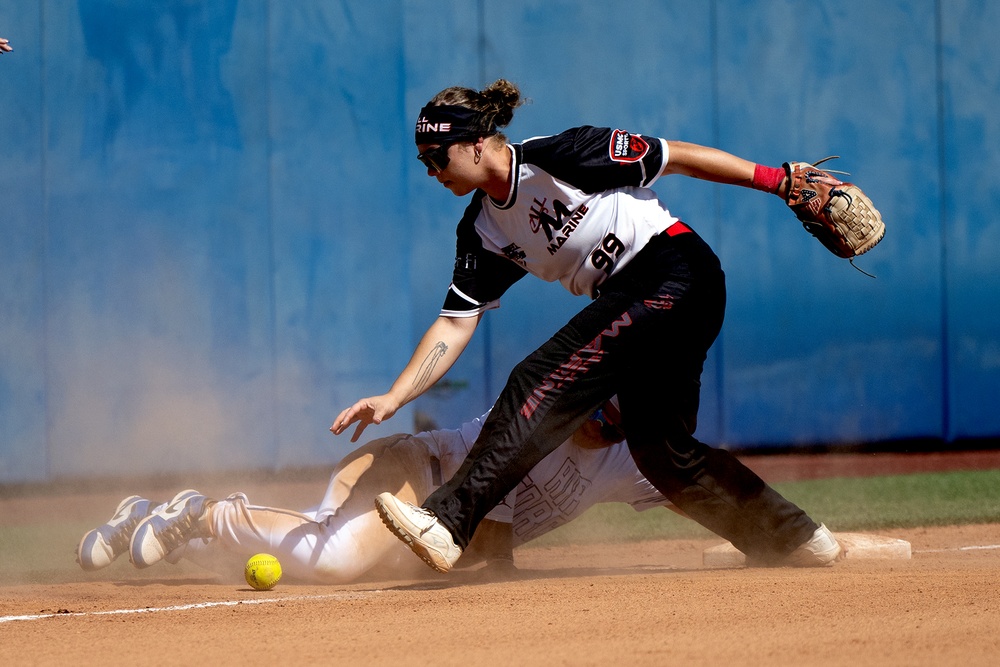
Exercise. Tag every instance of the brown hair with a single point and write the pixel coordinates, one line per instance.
(496, 103)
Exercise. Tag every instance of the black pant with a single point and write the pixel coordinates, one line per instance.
(645, 338)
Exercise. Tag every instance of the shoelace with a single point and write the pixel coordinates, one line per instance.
(420, 510)
(176, 532)
(121, 534)
(426, 513)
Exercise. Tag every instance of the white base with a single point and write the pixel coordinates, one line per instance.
(854, 545)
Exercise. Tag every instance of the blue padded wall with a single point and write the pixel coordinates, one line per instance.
(214, 236)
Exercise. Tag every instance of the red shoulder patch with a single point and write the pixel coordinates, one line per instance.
(627, 147)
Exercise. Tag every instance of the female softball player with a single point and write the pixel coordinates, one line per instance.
(343, 538)
(576, 207)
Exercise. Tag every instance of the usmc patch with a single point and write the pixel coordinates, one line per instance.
(627, 147)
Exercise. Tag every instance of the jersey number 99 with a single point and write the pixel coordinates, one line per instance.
(604, 256)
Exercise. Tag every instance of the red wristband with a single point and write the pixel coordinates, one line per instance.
(767, 179)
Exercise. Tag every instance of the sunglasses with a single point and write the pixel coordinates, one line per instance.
(435, 158)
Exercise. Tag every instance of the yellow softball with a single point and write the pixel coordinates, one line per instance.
(262, 572)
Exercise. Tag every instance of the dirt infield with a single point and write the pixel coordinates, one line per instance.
(651, 603)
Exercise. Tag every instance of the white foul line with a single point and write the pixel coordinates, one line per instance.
(184, 607)
(332, 596)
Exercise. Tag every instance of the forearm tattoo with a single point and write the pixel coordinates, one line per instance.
(421, 381)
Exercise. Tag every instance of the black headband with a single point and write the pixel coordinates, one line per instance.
(448, 123)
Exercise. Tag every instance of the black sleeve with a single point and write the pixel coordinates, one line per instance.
(479, 276)
(595, 159)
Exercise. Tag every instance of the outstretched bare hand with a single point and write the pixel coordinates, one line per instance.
(372, 410)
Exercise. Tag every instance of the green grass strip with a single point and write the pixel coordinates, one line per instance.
(843, 504)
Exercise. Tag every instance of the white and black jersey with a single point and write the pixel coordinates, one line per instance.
(560, 488)
(578, 210)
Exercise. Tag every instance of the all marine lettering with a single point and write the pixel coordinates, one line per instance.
(423, 125)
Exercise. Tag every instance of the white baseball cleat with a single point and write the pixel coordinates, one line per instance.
(420, 530)
(821, 550)
(102, 545)
(171, 526)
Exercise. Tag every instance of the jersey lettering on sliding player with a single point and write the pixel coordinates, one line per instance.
(543, 506)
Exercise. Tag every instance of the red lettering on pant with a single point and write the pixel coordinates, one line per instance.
(577, 364)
